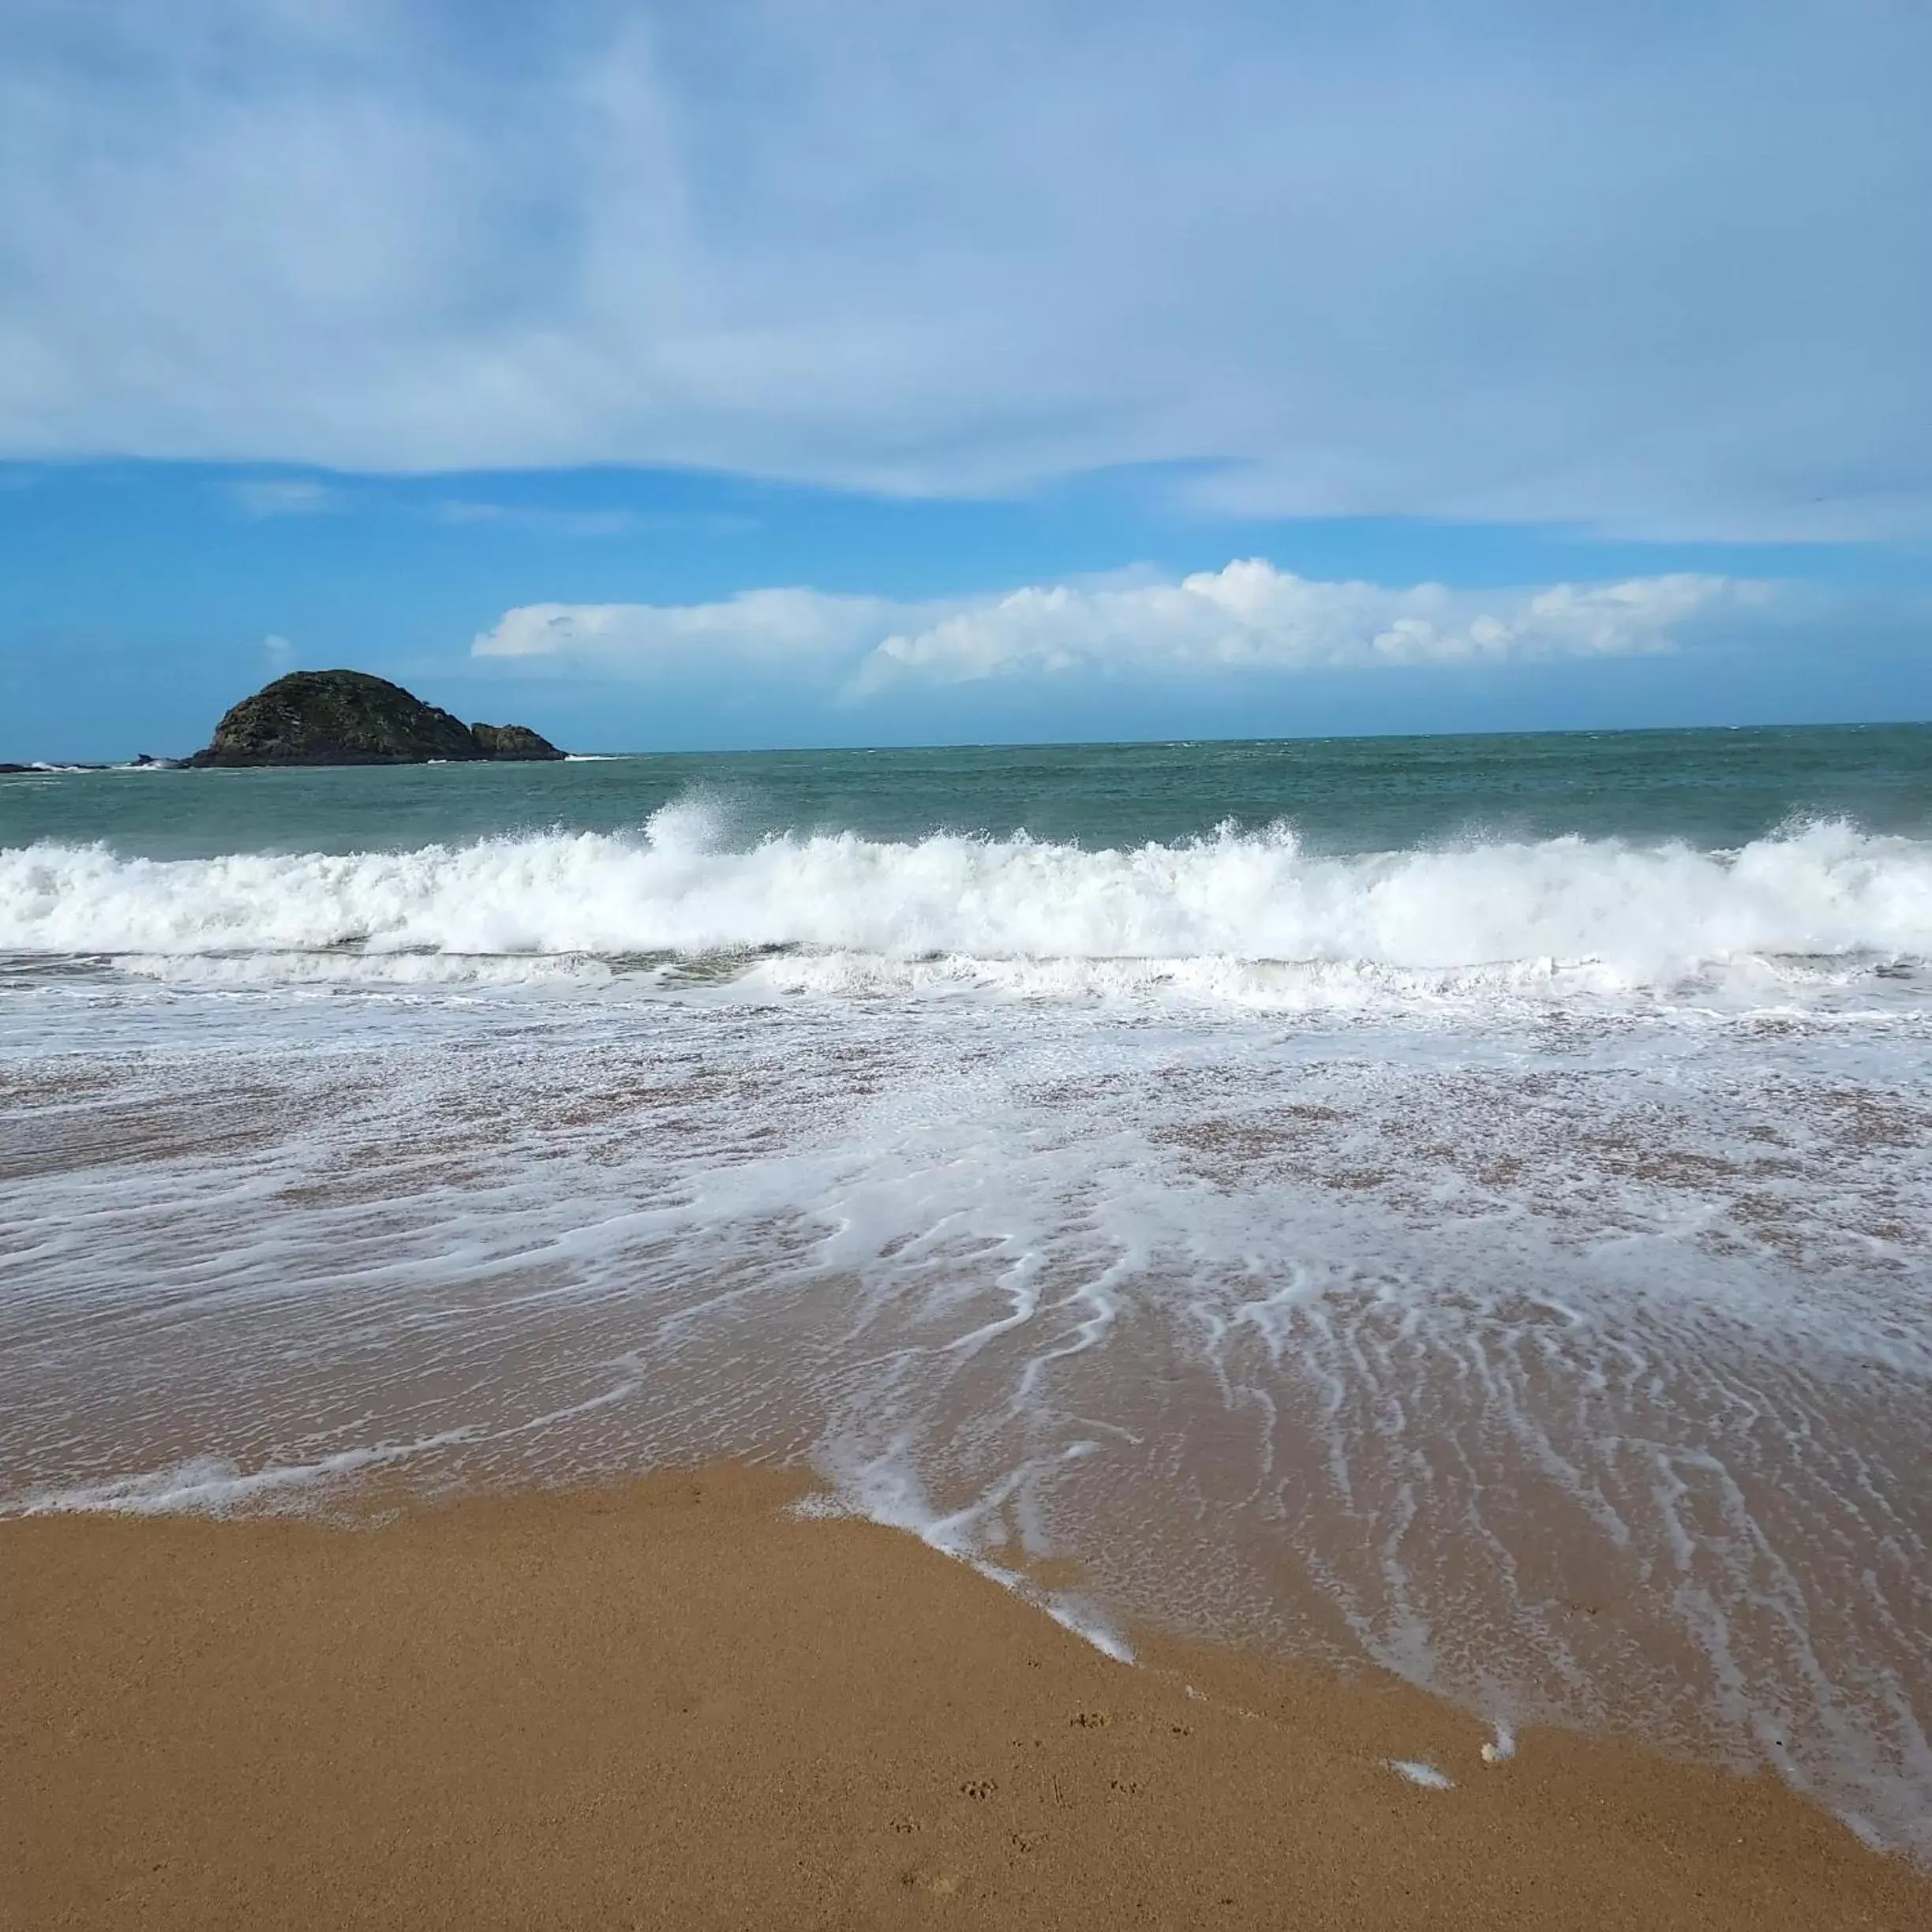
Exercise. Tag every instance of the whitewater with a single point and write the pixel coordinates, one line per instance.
(1466, 1206)
(1648, 916)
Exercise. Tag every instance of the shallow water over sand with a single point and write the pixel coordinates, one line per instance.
(1574, 1363)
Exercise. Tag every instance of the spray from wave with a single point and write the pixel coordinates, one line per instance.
(1645, 914)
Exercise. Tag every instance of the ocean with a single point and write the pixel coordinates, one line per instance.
(1463, 1204)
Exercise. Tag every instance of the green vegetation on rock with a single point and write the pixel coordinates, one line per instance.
(348, 718)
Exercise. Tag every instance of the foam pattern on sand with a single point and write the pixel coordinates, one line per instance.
(1571, 1362)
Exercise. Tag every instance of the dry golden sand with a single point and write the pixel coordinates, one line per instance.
(672, 1704)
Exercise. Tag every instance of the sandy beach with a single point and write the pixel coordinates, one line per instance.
(679, 1703)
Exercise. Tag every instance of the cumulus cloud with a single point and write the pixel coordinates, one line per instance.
(1250, 616)
(1666, 273)
(1247, 618)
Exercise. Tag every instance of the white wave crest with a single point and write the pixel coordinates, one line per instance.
(1643, 914)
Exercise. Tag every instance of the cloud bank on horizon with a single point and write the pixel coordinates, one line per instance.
(1655, 270)
(1248, 617)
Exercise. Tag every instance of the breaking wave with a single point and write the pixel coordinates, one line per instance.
(1821, 893)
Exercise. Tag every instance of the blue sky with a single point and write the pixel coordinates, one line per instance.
(812, 373)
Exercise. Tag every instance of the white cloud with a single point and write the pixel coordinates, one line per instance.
(279, 651)
(1247, 618)
(1250, 616)
(273, 496)
(543, 522)
(1541, 263)
(786, 628)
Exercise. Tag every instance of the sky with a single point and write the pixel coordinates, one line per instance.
(826, 371)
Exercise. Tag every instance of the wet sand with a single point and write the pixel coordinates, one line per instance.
(674, 1704)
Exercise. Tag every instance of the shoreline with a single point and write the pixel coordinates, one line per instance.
(677, 1702)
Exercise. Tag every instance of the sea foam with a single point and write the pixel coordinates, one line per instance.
(1822, 892)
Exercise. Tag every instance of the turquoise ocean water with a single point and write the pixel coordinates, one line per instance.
(1709, 787)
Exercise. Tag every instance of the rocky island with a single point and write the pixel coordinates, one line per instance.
(349, 717)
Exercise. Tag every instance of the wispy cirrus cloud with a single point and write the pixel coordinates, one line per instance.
(280, 497)
(801, 631)
(546, 520)
(1247, 618)
(1345, 259)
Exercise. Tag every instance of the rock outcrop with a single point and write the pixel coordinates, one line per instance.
(348, 718)
(512, 741)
